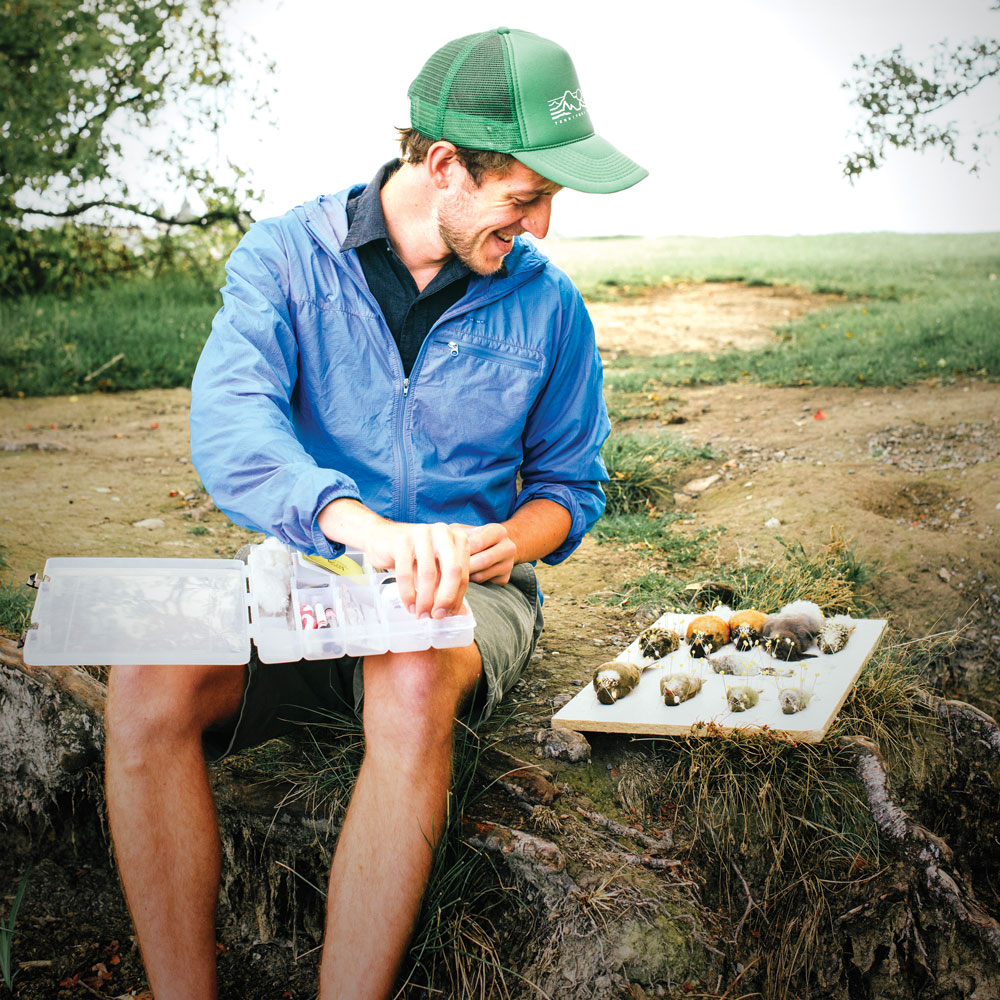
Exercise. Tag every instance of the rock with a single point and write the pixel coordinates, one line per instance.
(697, 486)
(772, 522)
(562, 744)
(149, 522)
(559, 700)
(944, 574)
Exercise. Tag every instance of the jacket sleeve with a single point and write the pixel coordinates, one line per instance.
(243, 440)
(567, 427)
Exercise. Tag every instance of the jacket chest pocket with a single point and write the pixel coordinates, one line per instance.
(459, 348)
(480, 395)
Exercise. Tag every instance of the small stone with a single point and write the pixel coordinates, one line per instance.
(563, 744)
(559, 700)
(944, 574)
(696, 486)
(772, 522)
(149, 522)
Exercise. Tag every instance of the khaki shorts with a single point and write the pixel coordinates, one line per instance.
(281, 696)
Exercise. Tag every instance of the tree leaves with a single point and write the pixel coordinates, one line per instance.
(79, 80)
(900, 99)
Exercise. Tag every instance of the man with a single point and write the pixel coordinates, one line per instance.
(387, 364)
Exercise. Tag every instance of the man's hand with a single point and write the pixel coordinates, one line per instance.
(430, 563)
(492, 553)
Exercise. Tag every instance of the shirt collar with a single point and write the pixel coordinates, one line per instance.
(366, 220)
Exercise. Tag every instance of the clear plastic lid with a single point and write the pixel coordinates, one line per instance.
(157, 611)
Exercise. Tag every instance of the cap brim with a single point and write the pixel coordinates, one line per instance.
(591, 164)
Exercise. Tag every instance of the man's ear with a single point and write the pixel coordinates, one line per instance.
(443, 165)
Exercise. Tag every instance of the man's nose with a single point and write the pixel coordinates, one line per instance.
(536, 219)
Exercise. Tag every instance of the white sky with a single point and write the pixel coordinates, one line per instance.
(734, 106)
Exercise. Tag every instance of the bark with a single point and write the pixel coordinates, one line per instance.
(51, 731)
(931, 857)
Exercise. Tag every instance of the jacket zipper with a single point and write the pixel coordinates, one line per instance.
(455, 346)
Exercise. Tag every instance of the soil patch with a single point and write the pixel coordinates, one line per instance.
(715, 317)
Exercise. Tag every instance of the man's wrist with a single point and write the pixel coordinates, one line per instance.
(349, 522)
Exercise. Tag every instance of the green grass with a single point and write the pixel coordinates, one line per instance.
(860, 265)
(871, 343)
(456, 946)
(49, 344)
(642, 469)
(832, 575)
(914, 306)
(16, 602)
(7, 933)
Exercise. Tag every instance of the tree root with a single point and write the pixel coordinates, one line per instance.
(527, 782)
(973, 730)
(621, 830)
(925, 851)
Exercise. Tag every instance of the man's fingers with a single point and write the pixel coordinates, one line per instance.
(426, 566)
(402, 552)
(485, 537)
(431, 566)
(452, 548)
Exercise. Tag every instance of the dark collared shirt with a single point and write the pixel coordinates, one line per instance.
(409, 313)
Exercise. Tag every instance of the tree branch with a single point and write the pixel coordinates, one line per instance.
(234, 215)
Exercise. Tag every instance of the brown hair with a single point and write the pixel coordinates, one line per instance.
(478, 162)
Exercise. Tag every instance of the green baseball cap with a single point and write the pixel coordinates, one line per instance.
(514, 92)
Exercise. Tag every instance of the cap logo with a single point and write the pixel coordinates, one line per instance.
(568, 106)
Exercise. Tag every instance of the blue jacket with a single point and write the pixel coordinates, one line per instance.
(299, 396)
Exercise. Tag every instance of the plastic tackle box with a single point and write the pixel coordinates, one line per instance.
(165, 611)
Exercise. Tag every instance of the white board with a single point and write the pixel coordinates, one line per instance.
(828, 678)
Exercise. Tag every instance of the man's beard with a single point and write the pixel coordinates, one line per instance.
(459, 240)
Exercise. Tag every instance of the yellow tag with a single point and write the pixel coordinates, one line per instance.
(342, 565)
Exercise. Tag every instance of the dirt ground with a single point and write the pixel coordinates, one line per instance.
(909, 475)
(696, 317)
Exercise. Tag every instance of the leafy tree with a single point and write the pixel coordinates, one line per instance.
(900, 100)
(83, 81)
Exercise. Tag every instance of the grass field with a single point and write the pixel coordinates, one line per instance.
(917, 306)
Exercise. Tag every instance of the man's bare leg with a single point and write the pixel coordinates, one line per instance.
(397, 812)
(162, 815)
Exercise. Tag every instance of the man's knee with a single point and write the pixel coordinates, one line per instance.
(413, 698)
(157, 704)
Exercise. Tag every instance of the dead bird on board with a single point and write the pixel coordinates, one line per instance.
(614, 680)
(679, 687)
(744, 629)
(737, 664)
(788, 634)
(706, 634)
(834, 634)
(741, 698)
(793, 699)
(655, 643)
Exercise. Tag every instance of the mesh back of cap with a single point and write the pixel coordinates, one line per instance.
(462, 94)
